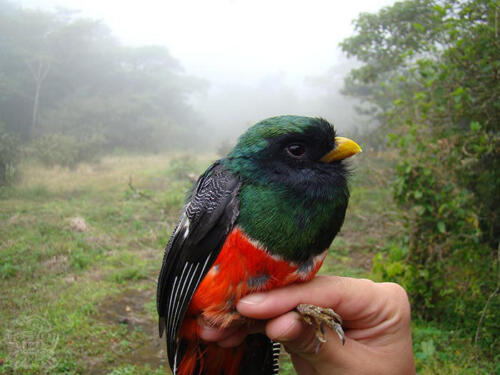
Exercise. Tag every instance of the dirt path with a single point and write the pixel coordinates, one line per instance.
(128, 309)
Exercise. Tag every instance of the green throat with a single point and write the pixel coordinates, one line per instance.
(290, 226)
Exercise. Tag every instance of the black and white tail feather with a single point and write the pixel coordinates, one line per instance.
(208, 216)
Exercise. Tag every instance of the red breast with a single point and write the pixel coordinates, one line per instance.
(242, 267)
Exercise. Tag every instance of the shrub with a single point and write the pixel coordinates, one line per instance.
(65, 150)
(9, 156)
(432, 70)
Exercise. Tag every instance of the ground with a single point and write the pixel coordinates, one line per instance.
(80, 251)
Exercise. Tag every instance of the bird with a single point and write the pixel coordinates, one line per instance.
(260, 218)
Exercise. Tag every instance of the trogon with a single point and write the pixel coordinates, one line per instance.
(260, 218)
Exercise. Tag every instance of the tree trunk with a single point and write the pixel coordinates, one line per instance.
(36, 100)
(39, 73)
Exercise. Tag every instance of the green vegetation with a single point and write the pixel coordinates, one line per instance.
(81, 250)
(82, 229)
(9, 155)
(431, 76)
(70, 92)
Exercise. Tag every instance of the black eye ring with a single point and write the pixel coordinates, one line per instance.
(296, 150)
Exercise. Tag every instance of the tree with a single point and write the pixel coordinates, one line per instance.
(67, 75)
(431, 70)
(388, 43)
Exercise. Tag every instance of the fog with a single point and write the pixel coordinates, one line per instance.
(250, 59)
(233, 106)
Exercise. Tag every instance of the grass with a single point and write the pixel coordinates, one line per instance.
(82, 300)
(55, 278)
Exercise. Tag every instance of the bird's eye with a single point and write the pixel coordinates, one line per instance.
(296, 150)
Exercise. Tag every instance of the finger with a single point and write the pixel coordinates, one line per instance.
(358, 301)
(235, 339)
(216, 334)
(299, 339)
(331, 290)
(297, 336)
(302, 366)
(257, 326)
(286, 327)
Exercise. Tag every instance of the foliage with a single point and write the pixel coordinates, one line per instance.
(65, 292)
(387, 43)
(439, 351)
(431, 70)
(65, 75)
(62, 318)
(181, 166)
(66, 150)
(9, 156)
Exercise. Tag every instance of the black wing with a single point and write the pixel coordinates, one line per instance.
(207, 218)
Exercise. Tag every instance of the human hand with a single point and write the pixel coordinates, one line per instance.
(376, 323)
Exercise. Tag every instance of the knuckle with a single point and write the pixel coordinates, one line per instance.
(368, 282)
(399, 299)
(396, 291)
(326, 280)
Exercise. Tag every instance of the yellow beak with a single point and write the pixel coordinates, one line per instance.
(344, 149)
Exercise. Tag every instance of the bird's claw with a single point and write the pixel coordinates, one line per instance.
(321, 316)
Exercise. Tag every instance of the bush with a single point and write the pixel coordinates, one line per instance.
(435, 82)
(9, 156)
(65, 150)
(451, 265)
(181, 167)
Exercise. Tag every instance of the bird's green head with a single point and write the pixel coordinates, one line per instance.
(298, 153)
(294, 193)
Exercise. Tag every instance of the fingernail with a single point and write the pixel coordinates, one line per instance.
(253, 299)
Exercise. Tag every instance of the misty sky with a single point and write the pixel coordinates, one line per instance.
(260, 57)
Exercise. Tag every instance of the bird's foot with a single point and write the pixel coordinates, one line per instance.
(321, 316)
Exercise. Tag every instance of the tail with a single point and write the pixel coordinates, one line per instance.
(261, 356)
(256, 355)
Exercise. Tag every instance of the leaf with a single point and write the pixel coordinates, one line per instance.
(475, 126)
(439, 9)
(420, 210)
(441, 227)
(418, 27)
(459, 91)
(428, 348)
